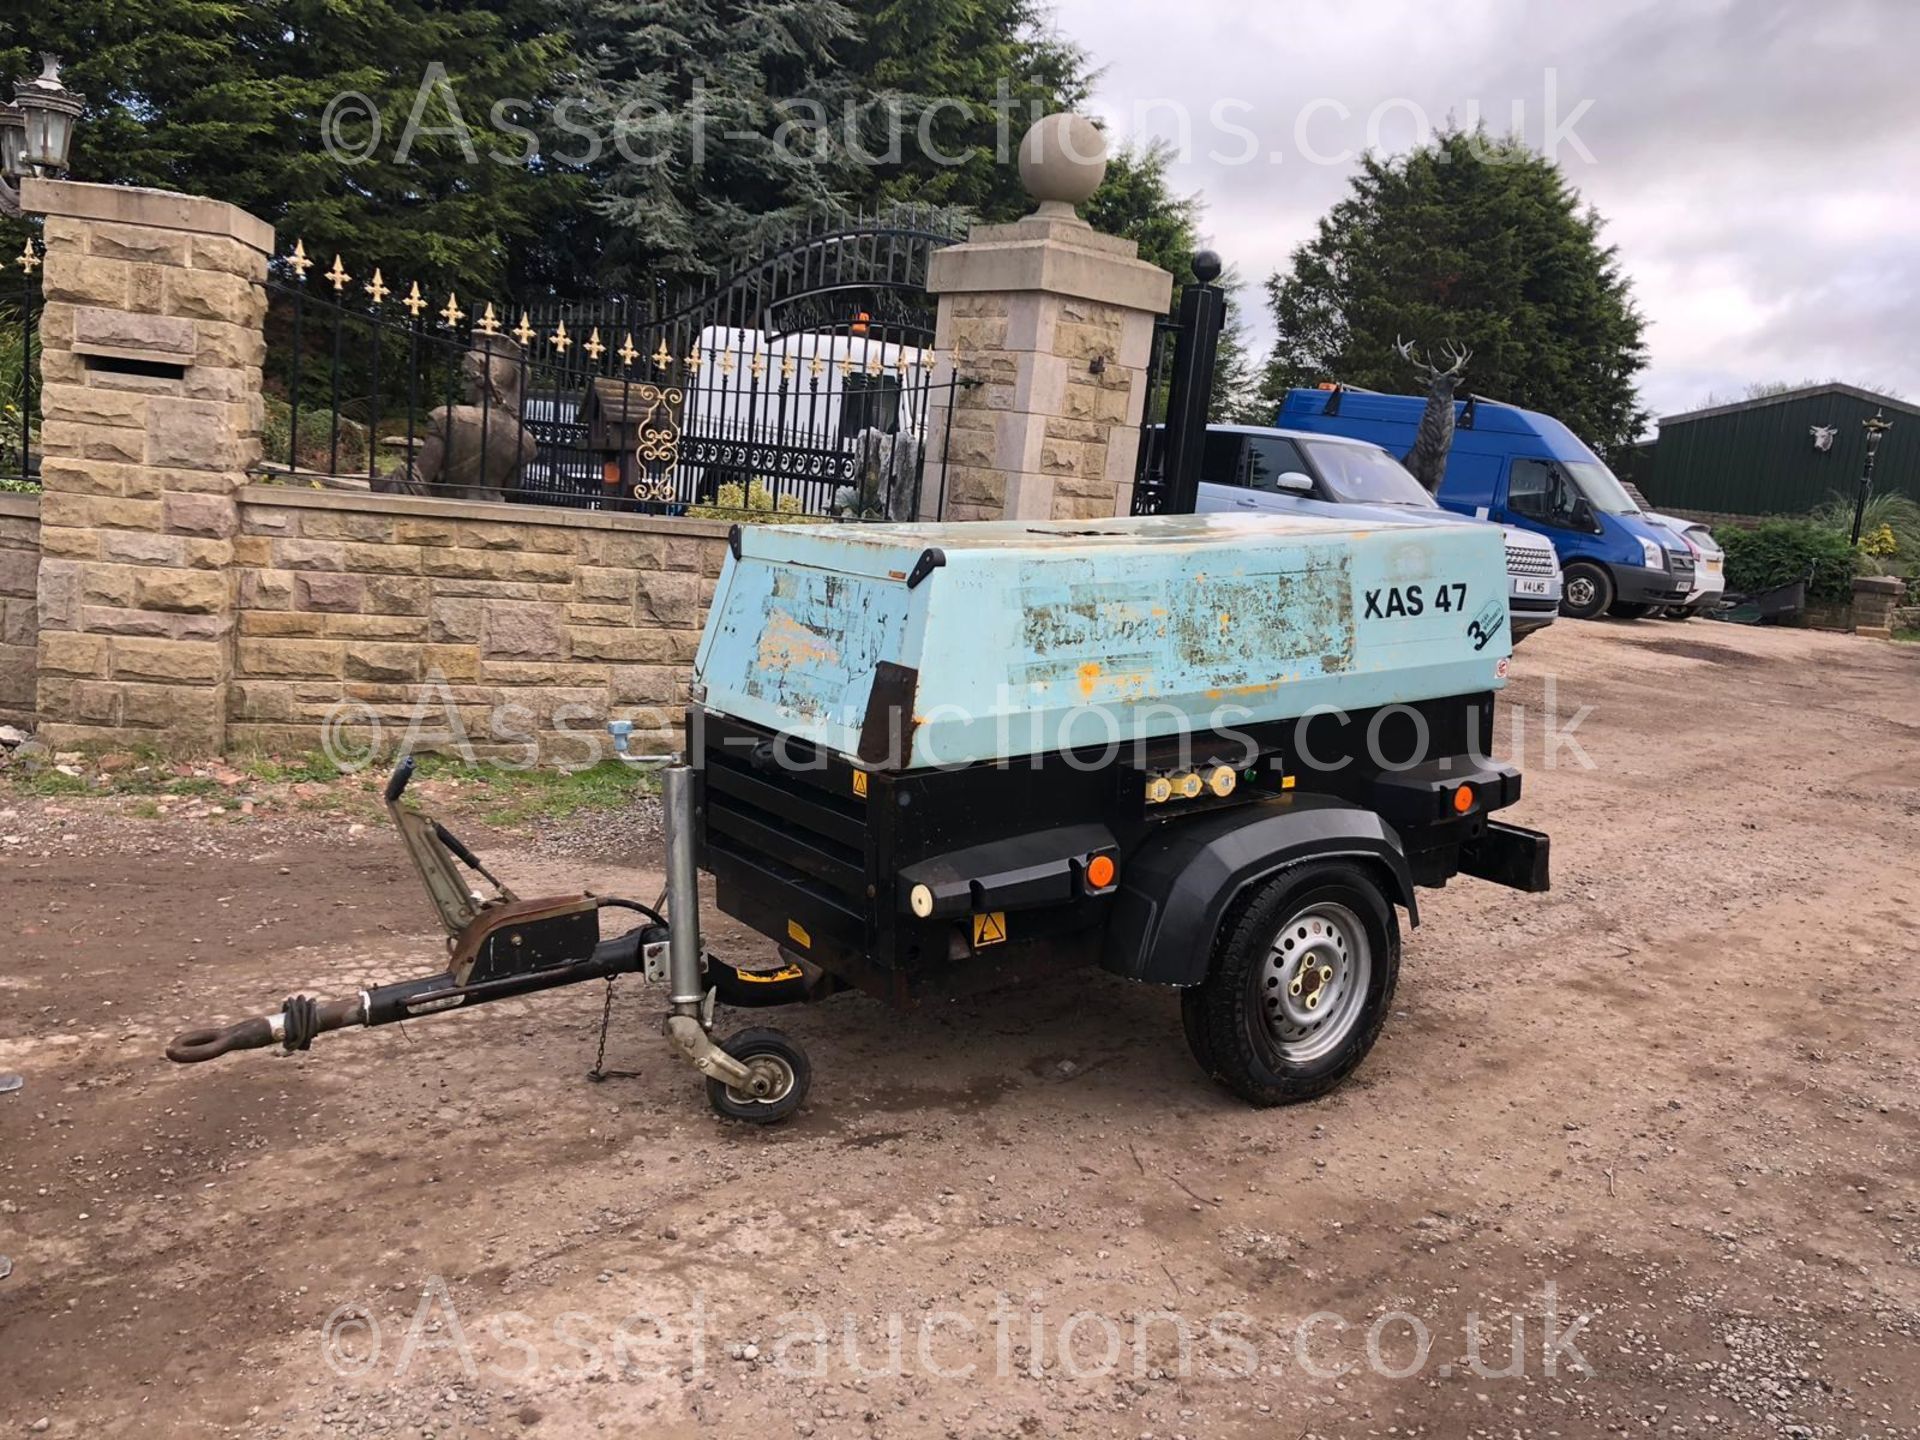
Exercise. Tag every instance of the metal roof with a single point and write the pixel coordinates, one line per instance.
(1832, 387)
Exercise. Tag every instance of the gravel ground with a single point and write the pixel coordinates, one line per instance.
(1667, 1116)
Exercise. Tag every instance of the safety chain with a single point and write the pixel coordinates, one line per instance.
(599, 1071)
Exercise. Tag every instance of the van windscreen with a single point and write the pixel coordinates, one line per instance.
(1605, 493)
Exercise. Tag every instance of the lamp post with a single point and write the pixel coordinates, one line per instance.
(1875, 425)
(36, 131)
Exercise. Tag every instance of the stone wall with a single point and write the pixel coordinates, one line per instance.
(510, 622)
(19, 613)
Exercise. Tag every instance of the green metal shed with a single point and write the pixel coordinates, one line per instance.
(1765, 456)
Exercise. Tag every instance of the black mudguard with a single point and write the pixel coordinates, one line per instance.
(1177, 887)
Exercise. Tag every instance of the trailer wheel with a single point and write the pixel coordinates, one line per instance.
(779, 1064)
(1586, 590)
(1301, 981)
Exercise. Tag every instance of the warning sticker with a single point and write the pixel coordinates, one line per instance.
(990, 929)
(797, 933)
(860, 783)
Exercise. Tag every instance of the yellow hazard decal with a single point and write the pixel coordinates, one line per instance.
(860, 783)
(990, 929)
(797, 933)
(768, 977)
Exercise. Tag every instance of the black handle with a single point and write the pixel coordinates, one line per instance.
(452, 842)
(397, 782)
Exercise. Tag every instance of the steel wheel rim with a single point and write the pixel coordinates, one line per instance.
(1580, 592)
(1312, 987)
(780, 1081)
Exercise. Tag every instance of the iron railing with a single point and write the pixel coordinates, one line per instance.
(805, 384)
(20, 371)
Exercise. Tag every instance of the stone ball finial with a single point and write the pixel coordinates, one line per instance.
(1206, 266)
(1063, 159)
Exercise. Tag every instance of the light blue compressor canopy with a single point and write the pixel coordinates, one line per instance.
(1027, 637)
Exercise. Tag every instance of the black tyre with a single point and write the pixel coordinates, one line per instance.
(1621, 610)
(782, 1074)
(1302, 977)
(1586, 590)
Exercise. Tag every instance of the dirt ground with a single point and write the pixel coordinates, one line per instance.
(1663, 1124)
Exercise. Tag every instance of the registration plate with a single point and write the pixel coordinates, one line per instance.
(1527, 585)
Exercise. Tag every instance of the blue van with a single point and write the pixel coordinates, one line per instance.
(1526, 469)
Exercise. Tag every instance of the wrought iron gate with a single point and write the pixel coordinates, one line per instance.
(20, 370)
(803, 383)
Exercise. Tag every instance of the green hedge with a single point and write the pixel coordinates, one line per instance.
(1776, 552)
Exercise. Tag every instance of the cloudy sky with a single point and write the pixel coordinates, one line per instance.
(1757, 161)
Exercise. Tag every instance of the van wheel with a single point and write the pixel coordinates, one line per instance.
(1586, 590)
(1301, 980)
(1624, 611)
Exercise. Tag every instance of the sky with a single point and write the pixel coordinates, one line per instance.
(1757, 161)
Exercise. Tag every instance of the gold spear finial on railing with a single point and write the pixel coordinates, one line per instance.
(788, 368)
(693, 361)
(726, 362)
(627, 353)
(524, 331)
(593, 347)
(415, 301)
(338, 276)
(488, 323)
(662, 357)
(759, 366)
(28, 261)
(816, 368)
(559, 339)
(451, 311)
(298, 261)
(377, 288)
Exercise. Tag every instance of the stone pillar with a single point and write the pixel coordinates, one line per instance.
(1049, 326)
(1875, 598)
(151, 346)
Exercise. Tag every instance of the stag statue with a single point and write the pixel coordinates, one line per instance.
(1428, 459)
(475, 450)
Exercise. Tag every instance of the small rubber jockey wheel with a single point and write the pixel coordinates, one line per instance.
(778, 1085)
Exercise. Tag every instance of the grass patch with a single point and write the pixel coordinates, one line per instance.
(52, 782)
(144, 810)
(297, 769)
(512, 797)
